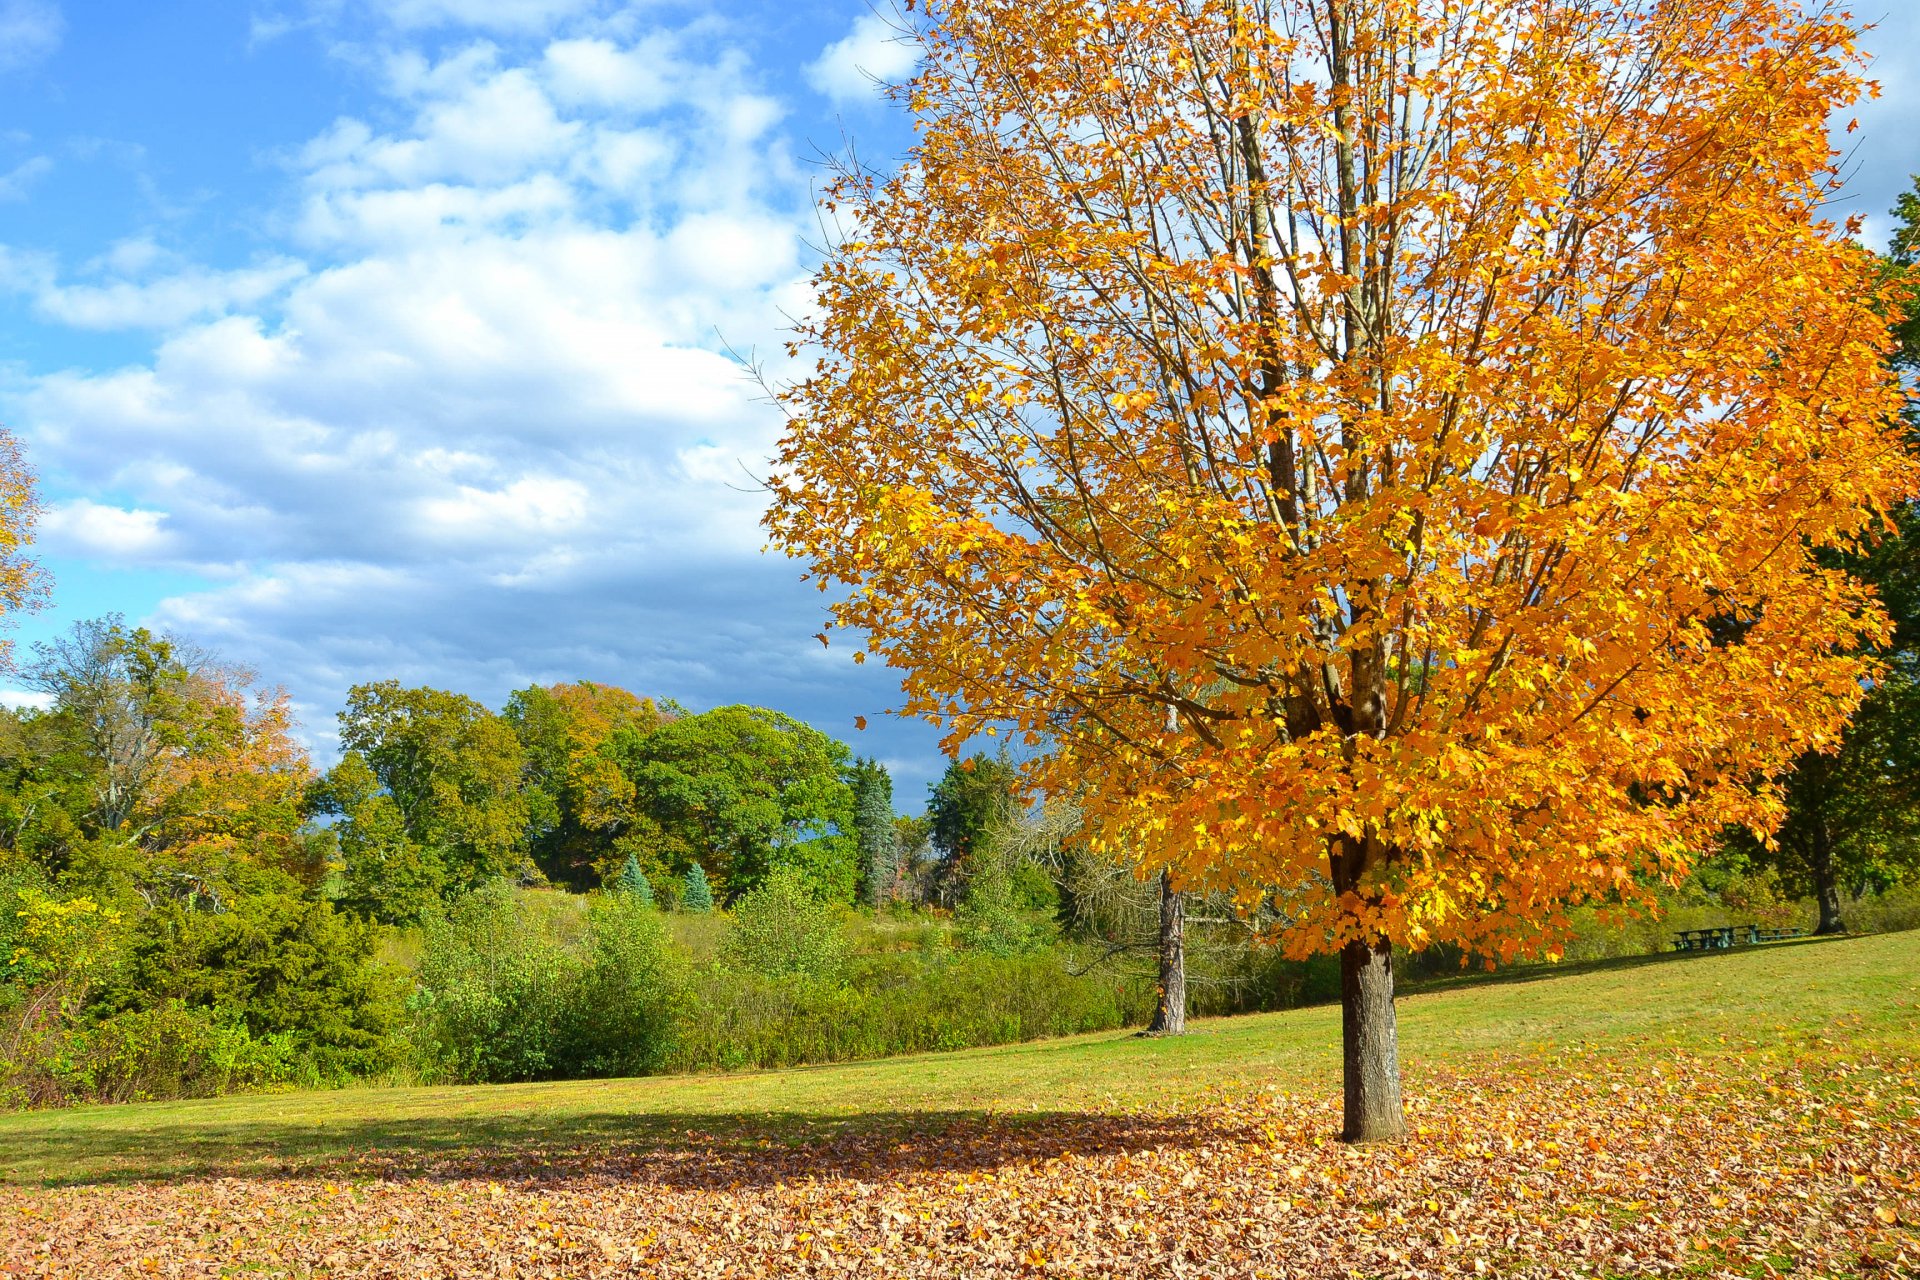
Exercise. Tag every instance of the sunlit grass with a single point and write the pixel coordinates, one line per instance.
(1861, 993)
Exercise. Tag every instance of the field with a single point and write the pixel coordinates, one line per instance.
(1752, 1113)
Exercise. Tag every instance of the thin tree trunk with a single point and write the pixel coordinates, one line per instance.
(1370, 1044)
(1826, 885)
(1170, 1018)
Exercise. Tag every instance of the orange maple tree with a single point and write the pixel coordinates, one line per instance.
(229, 780)
(1377, 448)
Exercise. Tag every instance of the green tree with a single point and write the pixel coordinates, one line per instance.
(448, 769)
(972, 798)
(279, 963)
(578, 800)
(741, 790)
(873, 827)
(630, 882)
(696, 895)
(780, 929)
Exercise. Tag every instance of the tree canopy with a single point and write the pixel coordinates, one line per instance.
(1342, 436)
(741, 790)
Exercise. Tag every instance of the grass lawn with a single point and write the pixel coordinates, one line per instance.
(1787, 1070)
(1772, 1000)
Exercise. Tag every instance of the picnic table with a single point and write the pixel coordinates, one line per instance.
(1724, 936)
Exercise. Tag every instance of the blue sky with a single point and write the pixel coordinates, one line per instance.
(389, 338)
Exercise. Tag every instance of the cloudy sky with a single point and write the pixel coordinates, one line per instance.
(394, 338)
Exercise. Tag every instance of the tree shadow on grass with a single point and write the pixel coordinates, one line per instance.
(705, 1152)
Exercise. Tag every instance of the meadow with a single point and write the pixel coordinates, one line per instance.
(1748, 1113)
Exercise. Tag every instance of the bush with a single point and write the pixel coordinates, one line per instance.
(900, 1002)
(994, 918)
(629, 1005)
(285, 969)
(506, 994)
(780, 929)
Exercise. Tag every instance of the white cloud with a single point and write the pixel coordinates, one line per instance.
(600, 72)
(85, 528)
(25, 699)
(476, 423)
(30, 31)
(166, 301)
(873, 53)
(19, 180)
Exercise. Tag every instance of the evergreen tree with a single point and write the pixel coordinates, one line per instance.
(972, 797)
(697, 897)
(629, 880)
(873, 826)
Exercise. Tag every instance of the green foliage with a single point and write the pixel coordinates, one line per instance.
(995, 915)
(449, 771)
(1904, 255)
(386, 875)
(742, 790)
(632, 883)
(577, 799)
(285, 968)
(781, 930)
(873, 819)
(972, 798)
(897, 1002)
(631, 1003)
(695, 894)
(504, 994)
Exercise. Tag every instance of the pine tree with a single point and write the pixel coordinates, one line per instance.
(629, 881)
(697, 897)
(873, 826)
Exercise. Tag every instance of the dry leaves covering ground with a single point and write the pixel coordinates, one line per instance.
(1683, 1164)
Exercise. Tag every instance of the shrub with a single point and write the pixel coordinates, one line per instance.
(780, 929)
(508, 992)
(900, 1002)
(993, 919)
(628, 1008)
(494, 990)
(286, 969)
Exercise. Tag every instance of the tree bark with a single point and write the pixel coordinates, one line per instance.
(1370, 1044)
(1170, 1018)
(1826, 884)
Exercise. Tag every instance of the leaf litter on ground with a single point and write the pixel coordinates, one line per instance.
(1570, 1165)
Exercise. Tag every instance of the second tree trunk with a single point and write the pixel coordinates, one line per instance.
(1170, 1018)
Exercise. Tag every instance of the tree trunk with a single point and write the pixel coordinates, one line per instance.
(1826, 885)
(1170, 1019)
(1370, 1044)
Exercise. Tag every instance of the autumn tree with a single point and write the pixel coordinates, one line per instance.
(1853, 812)
(159, 766)
(578, 800)
(1378, 453)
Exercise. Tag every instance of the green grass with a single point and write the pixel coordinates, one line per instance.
(1784, 999)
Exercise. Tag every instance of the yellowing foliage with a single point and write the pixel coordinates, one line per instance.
(1379, 450)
